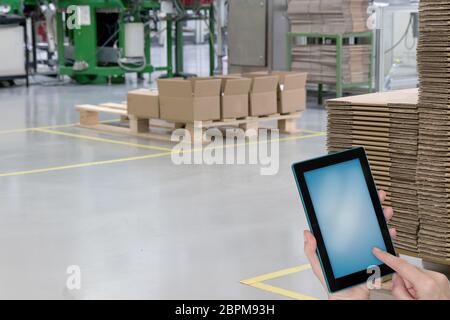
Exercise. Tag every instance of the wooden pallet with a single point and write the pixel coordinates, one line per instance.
(89, 118)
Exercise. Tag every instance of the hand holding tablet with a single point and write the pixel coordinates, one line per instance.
(345, 215)
(340, 204)
(360, 292)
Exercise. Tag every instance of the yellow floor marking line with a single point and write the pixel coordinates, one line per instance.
(37, 128)
(258, 282)
(277, 274)
(283, 292)
(84, 137)
(311, 131)
(57, 126)
(157, 155)
(318, 134)
(86, 164)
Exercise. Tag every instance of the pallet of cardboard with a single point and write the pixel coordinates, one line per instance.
(379, 122)
(328, 15)
(157, 129)
(222, 101)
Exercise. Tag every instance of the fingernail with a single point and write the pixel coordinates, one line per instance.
(305, 237)
(376, 250)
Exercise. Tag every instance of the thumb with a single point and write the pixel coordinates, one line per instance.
(310, 252)
(399, 289)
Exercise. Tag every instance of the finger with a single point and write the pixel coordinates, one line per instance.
(403, 268)
(399, 289)
(382, 195)
(393, 232)
(388, 213)
(310, 251)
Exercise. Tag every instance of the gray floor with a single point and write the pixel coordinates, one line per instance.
(144, 229)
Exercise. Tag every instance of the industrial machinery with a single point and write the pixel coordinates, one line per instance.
(191, 10)
(11, 7)
(100, 41)
(395, 63)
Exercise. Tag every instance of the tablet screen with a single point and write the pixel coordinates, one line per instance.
(346, 216)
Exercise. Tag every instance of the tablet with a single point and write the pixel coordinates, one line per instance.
(345, 215)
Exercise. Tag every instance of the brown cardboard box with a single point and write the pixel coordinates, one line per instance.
(291, 91)
(263, 94)
(235, 97)
(143, 103)
(195, 99)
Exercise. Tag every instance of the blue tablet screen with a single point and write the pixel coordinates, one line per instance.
(346, 216)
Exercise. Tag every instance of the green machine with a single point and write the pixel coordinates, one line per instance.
(98, 41)
(11, 7)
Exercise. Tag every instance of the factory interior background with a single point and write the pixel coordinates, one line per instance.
(92, 91)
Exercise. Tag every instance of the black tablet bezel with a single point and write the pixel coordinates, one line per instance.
(336, 284)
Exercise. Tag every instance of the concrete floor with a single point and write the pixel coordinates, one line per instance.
(143, 229)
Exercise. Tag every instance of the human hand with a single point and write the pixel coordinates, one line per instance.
(413, 283)
(360, 292)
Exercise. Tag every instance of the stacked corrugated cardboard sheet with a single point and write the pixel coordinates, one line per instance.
(433, 173)
(328, 16)
(332, 17)
(319, 61)
(403, 143)
(386, 124)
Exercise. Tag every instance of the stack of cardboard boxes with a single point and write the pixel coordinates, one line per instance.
(433, 173)
(220, 98)
(328, 16)
(386, 124)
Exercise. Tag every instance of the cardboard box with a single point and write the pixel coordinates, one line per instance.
(234, 97)
(195, 99)
(291, 91)
(263, 94)
(143, 103)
